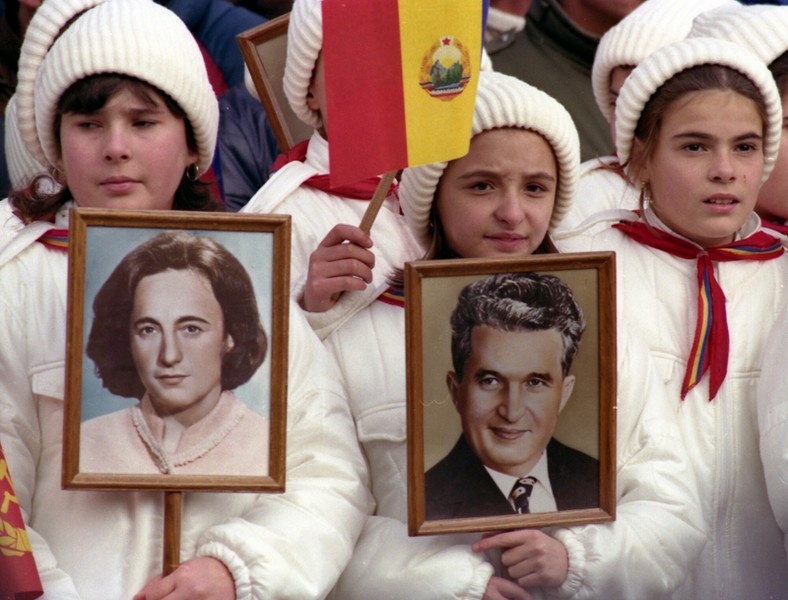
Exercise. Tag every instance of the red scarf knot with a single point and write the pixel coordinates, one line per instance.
(710, 346)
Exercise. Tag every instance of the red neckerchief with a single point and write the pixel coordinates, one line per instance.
(781, 228)
(394, 296)
(711, 343)
(362, 190)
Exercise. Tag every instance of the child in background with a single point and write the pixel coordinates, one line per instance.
(654, 24)
(301, 188)
(763, 30)
(698, 128)
(131, 125)
(501, 200)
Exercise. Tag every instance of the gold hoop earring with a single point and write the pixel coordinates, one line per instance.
(192, 172)
(645, 195)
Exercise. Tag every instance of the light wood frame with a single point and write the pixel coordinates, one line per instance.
(431, 294)
(262, 245)
(264, 49)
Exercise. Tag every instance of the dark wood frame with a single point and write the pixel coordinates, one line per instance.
(462, 271)
(264, 49)
(82, 219)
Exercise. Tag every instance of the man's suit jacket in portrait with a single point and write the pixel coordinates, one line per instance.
(460, 487)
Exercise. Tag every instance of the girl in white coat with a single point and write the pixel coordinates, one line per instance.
(501, 199)
(699, 126)
(648, 28)
(114, 99)
(764, 30)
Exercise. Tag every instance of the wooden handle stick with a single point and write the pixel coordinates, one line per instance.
(173, 507)
(377, 201)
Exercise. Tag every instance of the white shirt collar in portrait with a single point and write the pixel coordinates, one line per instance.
(541, 499)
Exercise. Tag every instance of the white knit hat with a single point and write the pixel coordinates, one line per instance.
(502, 101)
(761, 28)
(304, 41)
(663, 64)
(68, 40)
(649, 27)
(22, 165)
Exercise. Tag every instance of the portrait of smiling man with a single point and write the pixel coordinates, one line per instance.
(514, 337)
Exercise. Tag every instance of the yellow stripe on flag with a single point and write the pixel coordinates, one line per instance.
(438, 118)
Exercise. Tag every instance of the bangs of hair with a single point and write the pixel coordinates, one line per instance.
(701, 78)
(90, 94)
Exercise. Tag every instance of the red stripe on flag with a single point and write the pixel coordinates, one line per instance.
(363, 71)
(18, 573)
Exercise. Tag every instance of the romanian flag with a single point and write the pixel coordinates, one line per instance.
(400, 81)
(19, 578)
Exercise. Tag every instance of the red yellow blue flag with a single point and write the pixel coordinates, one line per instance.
(19, 578)
(400, 81)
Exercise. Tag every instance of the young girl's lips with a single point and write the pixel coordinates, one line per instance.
(507, 242)
(723, 203)
(118, 185)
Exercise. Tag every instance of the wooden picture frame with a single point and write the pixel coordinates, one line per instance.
(459, 495)
(264, 49)
(124, 439)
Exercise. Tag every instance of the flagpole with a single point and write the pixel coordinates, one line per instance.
(377, 201)
(173, 507)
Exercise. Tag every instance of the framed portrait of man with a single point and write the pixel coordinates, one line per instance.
(511, 392)
(177, 351)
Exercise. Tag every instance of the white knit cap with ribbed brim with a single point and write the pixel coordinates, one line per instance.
(761, 28)
(502, 101)
(649, 27)
(22, 165)
(68, 40)
(304, 41)
(663, 64)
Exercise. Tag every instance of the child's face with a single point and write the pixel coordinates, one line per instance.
(316, 100)
(498, 199)
(178, 343)
(129, 154)
(705, 170)
(773, 199)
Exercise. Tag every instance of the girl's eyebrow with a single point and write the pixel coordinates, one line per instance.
(144, 320)
(542, 175)
(702, 135)
(146, 109)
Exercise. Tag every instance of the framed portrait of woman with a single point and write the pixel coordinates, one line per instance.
(511, 392)
(177, 351)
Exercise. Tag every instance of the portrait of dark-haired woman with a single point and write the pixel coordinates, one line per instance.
(176, 326)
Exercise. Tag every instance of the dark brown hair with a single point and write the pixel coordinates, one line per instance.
(88, 96)
(779, 70)
(109, 342)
